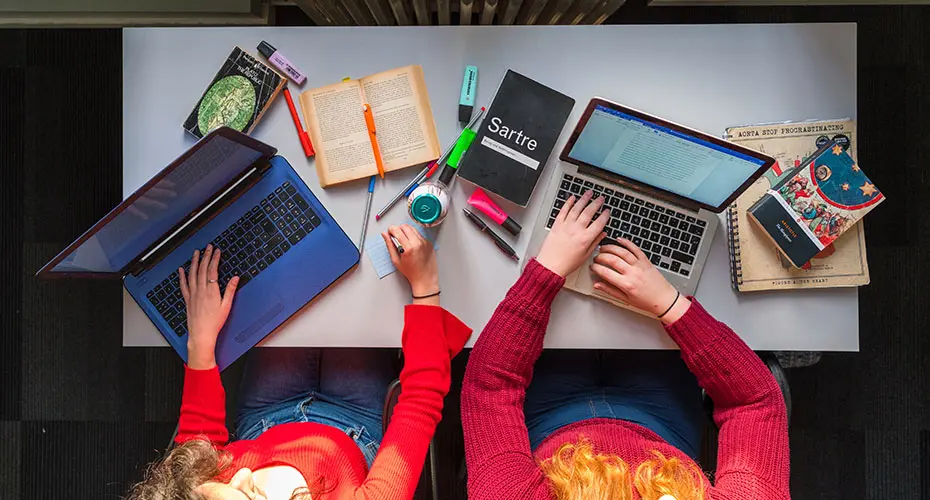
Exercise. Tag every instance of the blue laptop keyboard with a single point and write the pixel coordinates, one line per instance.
(249, 246)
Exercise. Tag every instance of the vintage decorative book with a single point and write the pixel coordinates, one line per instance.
(815, 203)
(405, 130)
(755, 263)
(516, 137)
(238, 96)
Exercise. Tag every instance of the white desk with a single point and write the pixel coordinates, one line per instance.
(708, 77)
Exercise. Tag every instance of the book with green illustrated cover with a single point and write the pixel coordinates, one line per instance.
(237, 97)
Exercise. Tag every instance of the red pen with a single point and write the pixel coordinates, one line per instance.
(304, 137)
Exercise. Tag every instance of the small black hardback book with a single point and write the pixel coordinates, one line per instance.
(237, 97)
(516, 137)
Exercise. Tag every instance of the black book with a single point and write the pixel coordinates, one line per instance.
(237, 97)
(516, 137)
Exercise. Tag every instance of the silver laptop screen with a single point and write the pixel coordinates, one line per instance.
(661, 157)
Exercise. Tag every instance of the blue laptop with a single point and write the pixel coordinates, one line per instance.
(232, 191)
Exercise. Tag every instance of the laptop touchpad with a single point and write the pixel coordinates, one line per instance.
(259, 322)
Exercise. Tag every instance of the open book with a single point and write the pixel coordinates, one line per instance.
(404, 124)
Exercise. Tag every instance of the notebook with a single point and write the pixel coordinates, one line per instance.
(755, 264)
(516, 137)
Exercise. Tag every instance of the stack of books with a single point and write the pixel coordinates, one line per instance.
(757, 259)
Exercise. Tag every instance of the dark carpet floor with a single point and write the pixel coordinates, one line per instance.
(80, 416)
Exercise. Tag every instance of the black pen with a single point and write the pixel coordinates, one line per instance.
(494, 237)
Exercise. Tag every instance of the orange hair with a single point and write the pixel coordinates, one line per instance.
(576, 472)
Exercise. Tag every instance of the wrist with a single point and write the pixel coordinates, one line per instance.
(201, 355)
(678, 310)
(543, 261)
(424, 287)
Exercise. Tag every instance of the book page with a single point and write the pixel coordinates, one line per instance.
(336, 124)
(403, 117)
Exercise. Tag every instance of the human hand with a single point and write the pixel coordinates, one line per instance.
(626, 274)
(207, 309)
(417, 263)
(573, 236)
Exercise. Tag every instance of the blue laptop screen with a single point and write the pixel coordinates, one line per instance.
(214, 164)
(661, 157)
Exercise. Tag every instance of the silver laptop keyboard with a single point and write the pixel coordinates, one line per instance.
(670, 239)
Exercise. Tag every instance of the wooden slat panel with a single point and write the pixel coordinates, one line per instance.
(358, 12)
(602, 12)
(509, 11)
(400, 12)
(380, 11)
(553, 11)
(444, 12)
(465, 8)
(578, 10)
(422, 12)
(530, 11)
(487, 12)
(313, 10)
(339, 12)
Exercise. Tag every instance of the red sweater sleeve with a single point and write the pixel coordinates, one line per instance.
(203, 407)
(432, 337)
(500, 368)
(752, 457)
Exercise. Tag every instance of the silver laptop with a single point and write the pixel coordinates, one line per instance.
(664, 184)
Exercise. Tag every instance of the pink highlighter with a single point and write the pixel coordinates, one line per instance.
(282, 63)
(480, 200)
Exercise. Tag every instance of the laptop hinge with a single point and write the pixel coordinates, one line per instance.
(198, 218)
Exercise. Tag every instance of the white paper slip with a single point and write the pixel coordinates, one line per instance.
(381, 258)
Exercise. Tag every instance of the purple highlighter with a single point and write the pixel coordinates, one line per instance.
(278, 60)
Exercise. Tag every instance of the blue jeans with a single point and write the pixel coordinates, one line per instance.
(342, 388)
(654, 389)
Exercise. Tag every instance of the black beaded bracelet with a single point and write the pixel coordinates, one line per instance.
(677, 296)
(426, 296)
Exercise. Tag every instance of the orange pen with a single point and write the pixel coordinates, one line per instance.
(372, 134)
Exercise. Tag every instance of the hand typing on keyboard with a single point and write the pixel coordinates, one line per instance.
(207, 308)
(574, 234)
(626, 274)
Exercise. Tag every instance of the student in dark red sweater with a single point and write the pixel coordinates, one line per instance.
(615, 425)
(309, 423)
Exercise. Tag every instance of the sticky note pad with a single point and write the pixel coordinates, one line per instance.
(380, 257)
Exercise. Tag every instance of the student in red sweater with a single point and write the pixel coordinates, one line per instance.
(612, 425)
(309, 423)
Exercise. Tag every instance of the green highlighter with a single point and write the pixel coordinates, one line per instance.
(466, 138)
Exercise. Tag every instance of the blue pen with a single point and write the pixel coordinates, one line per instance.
(371, 193)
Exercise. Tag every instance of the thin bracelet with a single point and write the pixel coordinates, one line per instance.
(677, 295)
(426, 296)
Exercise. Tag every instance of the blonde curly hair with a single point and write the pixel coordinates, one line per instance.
(576, 472)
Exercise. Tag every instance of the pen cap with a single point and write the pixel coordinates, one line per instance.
(266, 49)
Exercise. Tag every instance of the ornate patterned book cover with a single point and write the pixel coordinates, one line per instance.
(815, 203)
